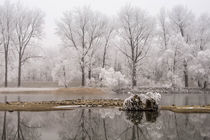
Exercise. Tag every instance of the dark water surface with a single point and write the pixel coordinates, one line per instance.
(105, 124)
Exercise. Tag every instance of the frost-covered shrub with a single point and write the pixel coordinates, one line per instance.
(155, 96)
(199, 68)
(91, 82)
(174, 80)
(64, 73)
(112, 79)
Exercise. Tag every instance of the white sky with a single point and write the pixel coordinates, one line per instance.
(54, 9)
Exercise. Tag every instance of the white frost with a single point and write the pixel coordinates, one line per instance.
(143, 97)
(155, 96)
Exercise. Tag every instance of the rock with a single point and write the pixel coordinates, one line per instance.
(133, 103)
(148, 101)
(154, 95)
(151, 104)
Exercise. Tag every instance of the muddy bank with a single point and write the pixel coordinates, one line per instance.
(73, 104)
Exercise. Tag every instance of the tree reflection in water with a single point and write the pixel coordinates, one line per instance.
(136, 117)
(21, 130)
(103, 124)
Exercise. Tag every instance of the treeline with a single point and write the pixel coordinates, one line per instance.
(19, 27)
(131, 49)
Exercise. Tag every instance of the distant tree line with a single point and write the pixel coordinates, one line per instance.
(171, 49)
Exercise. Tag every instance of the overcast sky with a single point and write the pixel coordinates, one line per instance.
(54, 9)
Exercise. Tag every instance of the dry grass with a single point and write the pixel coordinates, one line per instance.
(61, 105)
(81, 91)
(187, 109)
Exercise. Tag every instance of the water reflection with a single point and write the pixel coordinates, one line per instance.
(136, 116)
(103, 124)
(18, 128)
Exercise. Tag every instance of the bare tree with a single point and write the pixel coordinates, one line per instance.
(202, 36)
(136, 30)
(107, 37)
(163, 28)
(6, 31)
(81, 29)
(181, 20)
(28, 26)
(91, 60)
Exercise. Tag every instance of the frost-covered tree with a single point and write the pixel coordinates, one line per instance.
(65, 67)
(171, 60)
(7, 14)
(81, 29)
(107, 37)
(112, 79)
(28, 27)
(199, 68)
(61, 73)
(202, 32)
(163, 23)
(136, 28)
(181, 20)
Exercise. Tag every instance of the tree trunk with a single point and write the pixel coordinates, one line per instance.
(19, 71)
(134, 82)
(104, 58)
(205, 85)
(185, 74)
(6, 68)
(199, 84)
(164, 36)
(89, 73)
(83, 71)
(83, 76)
(64, 75)
(181, 31)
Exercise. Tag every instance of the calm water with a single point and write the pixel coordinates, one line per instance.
(105, 124)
